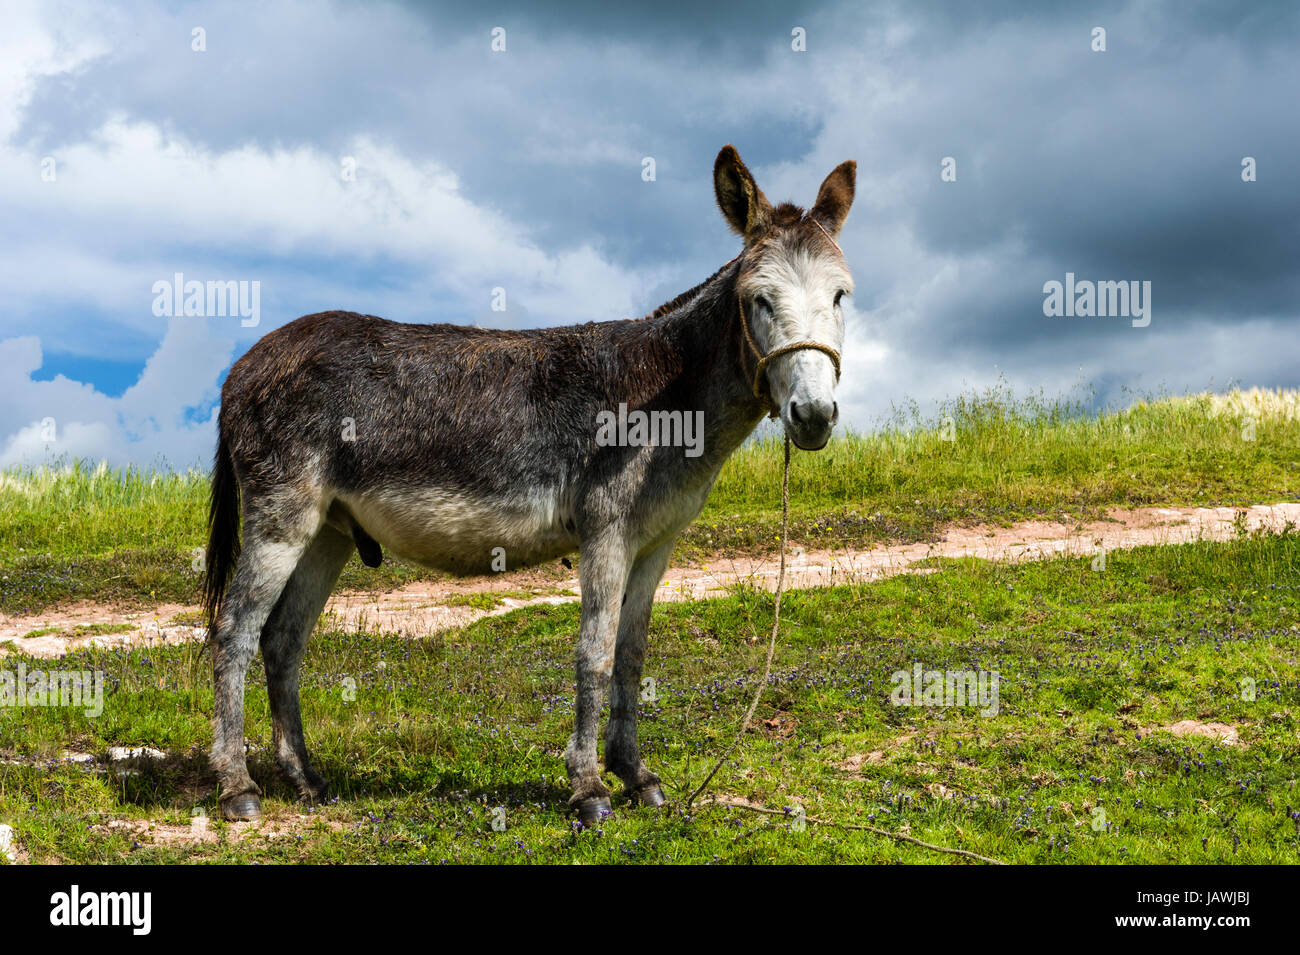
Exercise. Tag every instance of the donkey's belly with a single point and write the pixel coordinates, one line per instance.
(461, 534)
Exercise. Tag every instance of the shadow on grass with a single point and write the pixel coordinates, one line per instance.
(187, 781)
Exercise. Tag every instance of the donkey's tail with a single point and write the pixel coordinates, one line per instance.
(223, 534)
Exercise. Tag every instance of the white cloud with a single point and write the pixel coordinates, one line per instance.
(136, 187)
(132, 204)
(40, 39)
(167, 417)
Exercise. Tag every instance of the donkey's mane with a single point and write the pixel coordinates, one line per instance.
(785, 215)
(680, 300)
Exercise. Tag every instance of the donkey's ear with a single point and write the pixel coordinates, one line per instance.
(743, 204)
(835, 196)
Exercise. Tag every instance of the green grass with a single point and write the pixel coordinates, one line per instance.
(994, 458)
(443, 730)
(82, 629)
(491, 599)
(133, 536)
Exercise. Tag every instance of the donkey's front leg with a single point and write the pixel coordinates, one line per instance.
(622, 754)
(602, 574)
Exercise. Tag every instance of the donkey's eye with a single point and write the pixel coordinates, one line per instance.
(762, 303)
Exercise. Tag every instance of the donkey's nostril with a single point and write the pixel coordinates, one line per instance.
(835, 412)
(794, 413)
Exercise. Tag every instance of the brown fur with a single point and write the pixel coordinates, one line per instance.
(836, 196)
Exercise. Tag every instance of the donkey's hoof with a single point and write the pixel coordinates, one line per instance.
(652, 796)
(591, 812)
(314, 791)
(314, 796)
(244, 808)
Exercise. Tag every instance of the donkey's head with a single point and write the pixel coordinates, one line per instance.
(792, 277)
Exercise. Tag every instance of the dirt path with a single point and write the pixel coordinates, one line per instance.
(425, 607)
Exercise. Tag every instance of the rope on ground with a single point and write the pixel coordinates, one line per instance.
(771, 645)
(762, 685)
(900, 837)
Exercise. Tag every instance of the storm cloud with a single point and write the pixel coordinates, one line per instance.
(474, 170)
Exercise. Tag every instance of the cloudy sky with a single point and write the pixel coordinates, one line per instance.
(385, 158)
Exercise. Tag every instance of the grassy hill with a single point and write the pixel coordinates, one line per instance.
(131, 536)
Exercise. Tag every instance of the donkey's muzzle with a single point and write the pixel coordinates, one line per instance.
(810, 422)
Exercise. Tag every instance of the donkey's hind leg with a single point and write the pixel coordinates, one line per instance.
(284, 640)
(276, 534)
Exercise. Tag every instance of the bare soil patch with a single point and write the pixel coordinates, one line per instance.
(425, 607)
(203, 830)
(1220, 732)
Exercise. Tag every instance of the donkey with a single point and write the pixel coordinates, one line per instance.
(458, 448)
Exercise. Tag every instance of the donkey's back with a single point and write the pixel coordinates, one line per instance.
(346, 395)
(440, 441)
